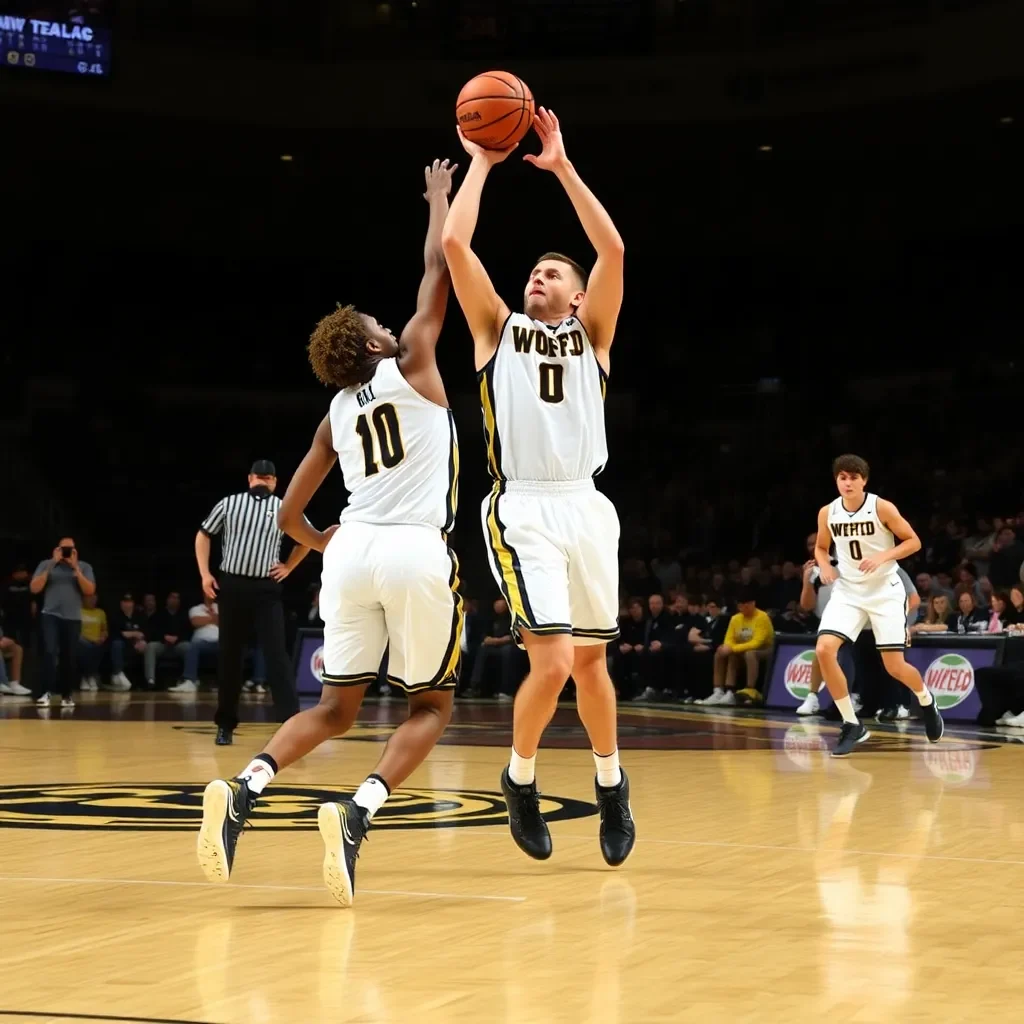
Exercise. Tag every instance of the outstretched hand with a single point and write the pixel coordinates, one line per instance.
(552, 155)
(438, 177)
(490, 156)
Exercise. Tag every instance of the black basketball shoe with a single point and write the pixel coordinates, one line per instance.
(343, 827)
(528, 827)
(227, 804)
(618, 832)
(933, 724)
(850, 735)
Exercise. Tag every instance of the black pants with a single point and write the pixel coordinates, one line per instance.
(60, 647)
(246, 605)
(502, 655)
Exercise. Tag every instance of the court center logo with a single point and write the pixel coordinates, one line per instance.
(798, 675)
(951, 680)
(169, 807)
(316, 664)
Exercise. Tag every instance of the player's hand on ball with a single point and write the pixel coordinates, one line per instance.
(552, 154)
(439, 178)
(489, 156)
(869, 565)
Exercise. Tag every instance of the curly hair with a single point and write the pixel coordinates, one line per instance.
(337, 348)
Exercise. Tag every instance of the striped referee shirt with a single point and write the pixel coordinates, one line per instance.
(251, 544)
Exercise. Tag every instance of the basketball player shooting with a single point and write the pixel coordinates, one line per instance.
(552, 537)
(389, 576)
(870, 536)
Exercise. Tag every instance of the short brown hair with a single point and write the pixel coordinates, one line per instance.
(337, 348)
(582, 274)
(852, 464)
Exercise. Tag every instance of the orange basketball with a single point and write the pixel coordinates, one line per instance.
(495, 109)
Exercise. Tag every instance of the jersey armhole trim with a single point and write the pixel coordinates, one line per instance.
(494, 355)
(421, 397)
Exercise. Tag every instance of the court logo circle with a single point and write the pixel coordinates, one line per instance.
(170, 807)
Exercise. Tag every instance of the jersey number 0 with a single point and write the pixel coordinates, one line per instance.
(551, 386)
(389, 438)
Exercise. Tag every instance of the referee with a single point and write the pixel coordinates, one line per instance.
(249, 592)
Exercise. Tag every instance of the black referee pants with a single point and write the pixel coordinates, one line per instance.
(248, 605)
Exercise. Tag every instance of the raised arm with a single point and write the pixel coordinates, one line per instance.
(418, 342)
(599, 310)
(484, 310)
(308, 477)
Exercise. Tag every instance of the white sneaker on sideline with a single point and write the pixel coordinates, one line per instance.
(714, 698)
(67, 702)
(185, 686)
(6, 690)
(810, 706)
(728, 699)
(15, 688)
(44, 700)
(1016, 722)
(1005, 717)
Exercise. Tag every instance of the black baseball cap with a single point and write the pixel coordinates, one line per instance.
(127, 597)
(263, 467)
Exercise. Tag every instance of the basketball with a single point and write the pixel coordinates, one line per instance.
(495, 109)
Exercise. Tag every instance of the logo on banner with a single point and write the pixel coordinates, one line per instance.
(951, 680)
(175, 807)
(798, 675)
(316, 664)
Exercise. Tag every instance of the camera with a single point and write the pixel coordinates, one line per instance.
(66, 550)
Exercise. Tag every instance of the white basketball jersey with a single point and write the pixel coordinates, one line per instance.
(543, 403)
(859, 535)
(398, 453)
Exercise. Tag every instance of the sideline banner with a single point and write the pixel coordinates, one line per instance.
(309, 662)
(948, 664)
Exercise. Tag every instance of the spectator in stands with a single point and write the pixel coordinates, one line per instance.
(658, 665)
(167, 635)
(1015, 611)
(749, 639)
(998, 604)
(969, 618)
(10, 681)
(928, 587)
(63, 580)
(694, 647)
(496, 648)
(1007, 559)
(978, 546)
(629, 649)
(938, 618)
(19, 606)
(128, 642)
(205, 622)
(92, 642)
(666, 566)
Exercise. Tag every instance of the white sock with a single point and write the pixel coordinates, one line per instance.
(608, 771)
(845, 706)
(257, 774)
(522, 770)
(924, 698)
(372, 794)
(719, 689)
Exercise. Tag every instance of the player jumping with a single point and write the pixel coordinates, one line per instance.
(389, 576)
(552, 537)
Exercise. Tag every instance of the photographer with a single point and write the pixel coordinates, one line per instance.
(63, 581)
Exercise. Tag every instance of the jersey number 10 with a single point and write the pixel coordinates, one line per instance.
(389, 438)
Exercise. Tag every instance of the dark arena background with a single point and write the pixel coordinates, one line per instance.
(822, 213)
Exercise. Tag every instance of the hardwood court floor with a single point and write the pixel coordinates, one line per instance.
(769, 883)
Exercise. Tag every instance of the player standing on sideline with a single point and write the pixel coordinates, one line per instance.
(552, 537)
(390, 576)
(865, 530)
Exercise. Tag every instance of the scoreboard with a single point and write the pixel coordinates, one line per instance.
(69, 37)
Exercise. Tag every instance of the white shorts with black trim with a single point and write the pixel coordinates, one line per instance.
(853, 606)
(391, 587)
(554, 552)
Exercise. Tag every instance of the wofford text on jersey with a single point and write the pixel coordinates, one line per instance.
(545, 345)
(852, 529)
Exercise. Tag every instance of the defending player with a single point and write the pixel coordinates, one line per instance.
(388, 576)
(552, 537)
(870, 536)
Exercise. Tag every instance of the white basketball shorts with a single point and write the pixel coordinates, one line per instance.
(390, 587)
(883, 605)
(554, 552)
